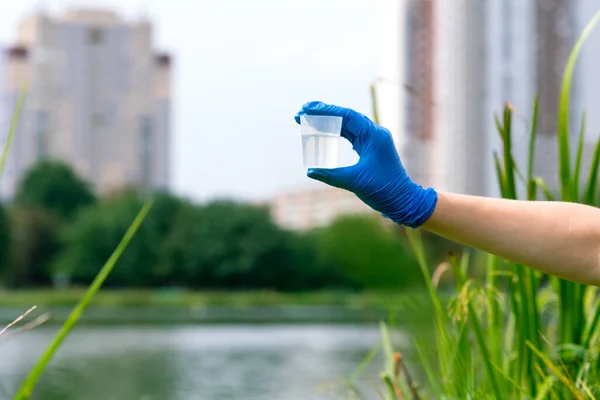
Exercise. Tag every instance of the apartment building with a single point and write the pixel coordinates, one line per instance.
(455, 64)
(99, 98)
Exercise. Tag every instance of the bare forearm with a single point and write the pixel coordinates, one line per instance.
(562, 239)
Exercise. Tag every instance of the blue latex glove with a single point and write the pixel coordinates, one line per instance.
(378, 179)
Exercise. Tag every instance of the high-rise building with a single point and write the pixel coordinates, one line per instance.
(98, 98)
(404, 86)
(419, 90)
(439, 91)
(459, 61)
(460, 144)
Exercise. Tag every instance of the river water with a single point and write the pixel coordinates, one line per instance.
(208, 362)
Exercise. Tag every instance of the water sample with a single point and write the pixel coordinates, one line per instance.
(320, 150)
(320, 140)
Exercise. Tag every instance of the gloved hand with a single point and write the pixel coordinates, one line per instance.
(378, 179)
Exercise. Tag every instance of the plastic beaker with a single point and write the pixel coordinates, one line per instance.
(320, 140)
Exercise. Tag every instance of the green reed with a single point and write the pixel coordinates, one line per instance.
(518, 334)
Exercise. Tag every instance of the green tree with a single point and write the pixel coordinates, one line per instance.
(92, 237)
(370, 253)
(161, 220)
(308, 271)
(228, 245)
(54, 185)
(34, 244)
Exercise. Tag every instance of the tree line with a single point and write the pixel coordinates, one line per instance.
(56, 226)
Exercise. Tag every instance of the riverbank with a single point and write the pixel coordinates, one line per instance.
(174, 306)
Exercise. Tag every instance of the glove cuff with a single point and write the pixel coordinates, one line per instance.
(417, 209)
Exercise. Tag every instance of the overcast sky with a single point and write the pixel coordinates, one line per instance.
(242, 70)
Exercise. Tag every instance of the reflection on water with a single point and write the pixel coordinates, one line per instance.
(192, 362)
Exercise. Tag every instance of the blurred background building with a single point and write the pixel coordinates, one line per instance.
(454, 64)
(98, 97)
(314, 207)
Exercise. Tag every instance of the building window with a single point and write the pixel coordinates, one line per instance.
(95, 36)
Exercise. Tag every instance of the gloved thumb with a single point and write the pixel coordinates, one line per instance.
(339, 177)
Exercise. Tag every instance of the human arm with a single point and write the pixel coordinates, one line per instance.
(558, 238)
(561, 239)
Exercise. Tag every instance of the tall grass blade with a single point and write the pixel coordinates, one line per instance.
(592, 328)
(388, 350)
(509, 165)
(366, 361)
(443, 337)
(416, 243)
(500, 174)
(499, 127)
(431, 378)
(531, 185)
(351, 383)
(515, 335)
(526, 281)
(545, 189)
(590, 194)
(463, 364)
(389, 385)
(557, 372)
(563, 110)
(502, 133)
(12, 130)
(478, 331)
(514, 384)
(536, 329)
(578, 160)
(524, 318)
(494, 315)
(570, 305)
(28, 386)
(545, 388)
(566, 310)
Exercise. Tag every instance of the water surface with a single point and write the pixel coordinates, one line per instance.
(209, 362)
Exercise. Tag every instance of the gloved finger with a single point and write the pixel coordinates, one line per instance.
(342, 177)
(297, 116)
(355, 126)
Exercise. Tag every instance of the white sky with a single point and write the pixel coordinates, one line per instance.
(242, 70)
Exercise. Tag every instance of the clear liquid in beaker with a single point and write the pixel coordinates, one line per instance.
(320, 150)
